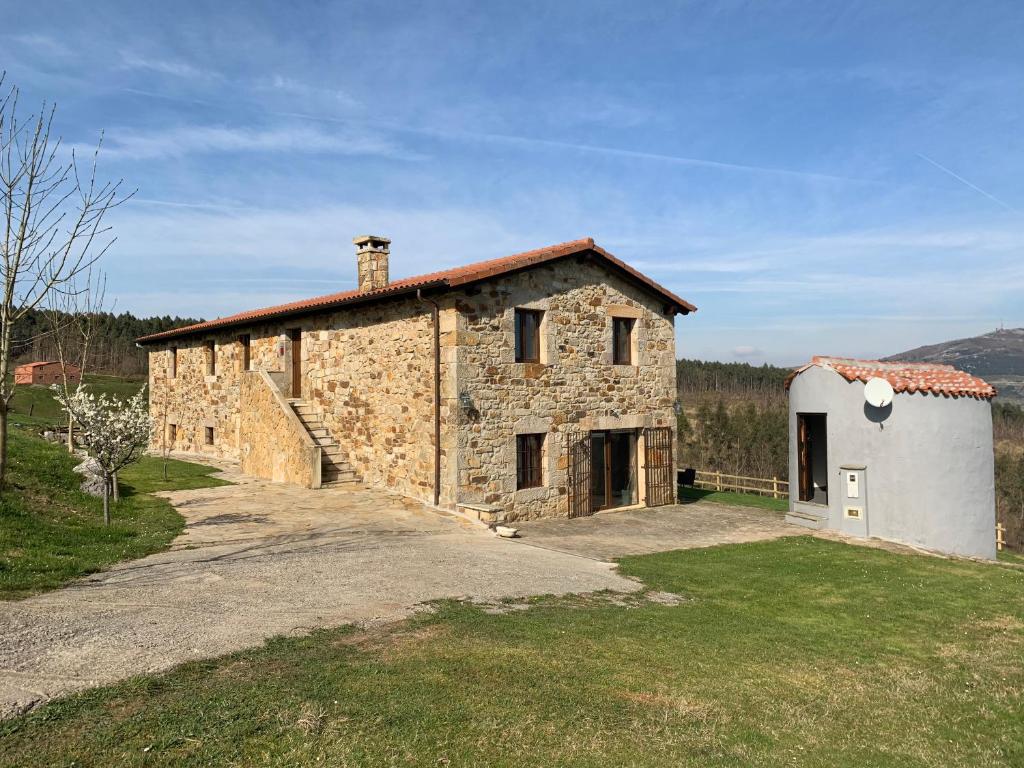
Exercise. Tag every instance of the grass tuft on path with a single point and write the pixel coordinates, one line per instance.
(797, 651)
(52, 533)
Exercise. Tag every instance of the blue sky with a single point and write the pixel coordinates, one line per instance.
(819, 178)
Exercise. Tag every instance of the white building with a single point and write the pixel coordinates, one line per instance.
(917, 470)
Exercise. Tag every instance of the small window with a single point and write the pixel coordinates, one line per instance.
(622, 340)
(211, 358)
(528, 335)
(174, 362)
(172, 434)
(529, 450)
(209, 435)
(244, 340)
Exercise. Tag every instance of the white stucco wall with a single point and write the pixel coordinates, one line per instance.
(929, 459)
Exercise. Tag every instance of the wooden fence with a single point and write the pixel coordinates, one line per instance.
(765, 486)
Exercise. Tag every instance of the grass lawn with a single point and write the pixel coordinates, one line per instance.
(792, 652)
(733, 498)
(1017, 558)
(51, 533)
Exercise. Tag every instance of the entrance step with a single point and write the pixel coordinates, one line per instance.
(491, 514)
(806, 519)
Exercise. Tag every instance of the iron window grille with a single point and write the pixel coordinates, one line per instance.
(529, 461)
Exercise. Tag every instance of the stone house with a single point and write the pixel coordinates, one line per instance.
(539, 384)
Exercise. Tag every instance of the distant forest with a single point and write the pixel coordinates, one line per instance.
(112, 349)
(734, 418)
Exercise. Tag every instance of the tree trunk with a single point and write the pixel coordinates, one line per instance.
(3, 442)
(71, 434)
(106, 500)
(115, 487)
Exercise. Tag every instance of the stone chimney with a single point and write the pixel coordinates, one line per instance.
(372, 261)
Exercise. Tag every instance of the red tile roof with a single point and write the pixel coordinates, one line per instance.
(449, 278)
(905, 377)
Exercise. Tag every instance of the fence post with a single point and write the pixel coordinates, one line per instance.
(1000, 538)
(775, 487)
(718, 481)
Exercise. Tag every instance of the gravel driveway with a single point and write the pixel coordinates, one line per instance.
(258, 560)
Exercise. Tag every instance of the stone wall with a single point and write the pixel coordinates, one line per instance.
(370, 373)
(192, 400)
(575, 387)
(274, 443)
(367, 370)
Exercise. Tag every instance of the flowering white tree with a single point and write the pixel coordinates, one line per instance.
(114, 432)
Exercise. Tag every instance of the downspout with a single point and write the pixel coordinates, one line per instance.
(434, 310)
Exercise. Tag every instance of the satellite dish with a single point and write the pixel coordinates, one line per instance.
(878, 392)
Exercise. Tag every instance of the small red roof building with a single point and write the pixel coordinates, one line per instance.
(45, 372)
(934, 378)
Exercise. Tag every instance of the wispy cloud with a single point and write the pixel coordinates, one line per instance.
(619, 152)
(965, 182)
(187, 140)
(165, 66)
(293, 87)
(40, 44)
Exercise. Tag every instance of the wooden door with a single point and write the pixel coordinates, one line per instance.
(804, 458)
(660, 471)
(296, 338)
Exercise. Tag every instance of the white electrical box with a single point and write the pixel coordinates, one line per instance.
(852, 485)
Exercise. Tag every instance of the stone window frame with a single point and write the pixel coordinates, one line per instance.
(535, 425)
(531, 441)
(548, 347)
(519, 316)
(210, 359)
(172, 366)
(636, 345)
(245, 352)
(172, 434)
(620, 326)
(209, 435)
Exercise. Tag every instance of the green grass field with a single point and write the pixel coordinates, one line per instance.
(51, 532)
(796, 652)
(35, 406)
(733, 498)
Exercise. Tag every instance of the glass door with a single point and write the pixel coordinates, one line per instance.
(613, 469)
(622, 468)
(599, 469)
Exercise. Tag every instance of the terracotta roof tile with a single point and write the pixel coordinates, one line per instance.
(934, 378)
(449, 278)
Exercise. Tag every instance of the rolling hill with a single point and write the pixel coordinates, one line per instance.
(997, 357)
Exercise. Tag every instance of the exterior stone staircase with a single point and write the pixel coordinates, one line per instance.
(334, 469)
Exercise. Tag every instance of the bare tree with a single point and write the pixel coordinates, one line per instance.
(71, 318)
(52, 230)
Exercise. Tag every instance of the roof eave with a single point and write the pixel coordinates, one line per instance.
(213, 326)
